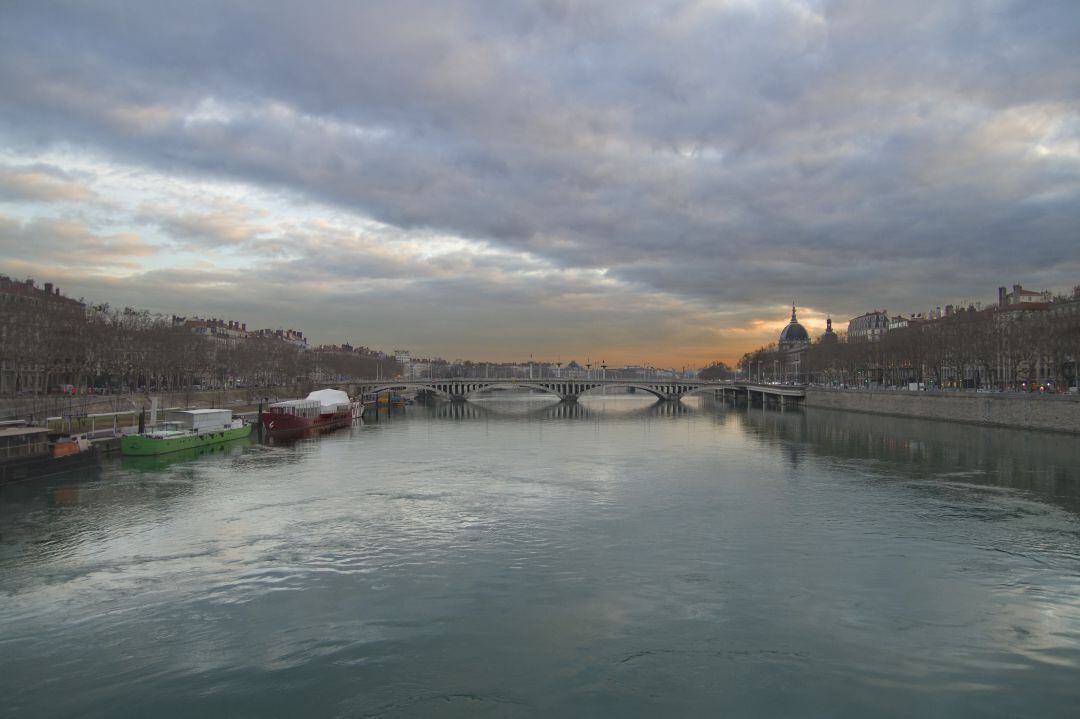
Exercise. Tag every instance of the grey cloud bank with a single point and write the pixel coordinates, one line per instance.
(715, 158)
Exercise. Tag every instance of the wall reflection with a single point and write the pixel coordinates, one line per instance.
(1043, 463)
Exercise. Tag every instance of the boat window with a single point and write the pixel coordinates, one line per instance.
(23, 445)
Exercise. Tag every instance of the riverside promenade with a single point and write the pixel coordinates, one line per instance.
(1053, 412)
(41, 407)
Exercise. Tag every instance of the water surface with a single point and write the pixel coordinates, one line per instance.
(521, 558)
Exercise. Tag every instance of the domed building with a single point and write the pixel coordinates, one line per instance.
(829, 337)
(793, 343)
(794, 333)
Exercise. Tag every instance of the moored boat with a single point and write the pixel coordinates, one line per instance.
(159, 462)
(185, 429)
(321, 409)
(30, 452)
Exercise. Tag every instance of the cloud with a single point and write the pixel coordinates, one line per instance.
(723, 157)
(67, 244)
(41, 183)
(222, 226)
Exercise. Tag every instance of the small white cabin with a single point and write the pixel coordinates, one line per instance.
(201, 420)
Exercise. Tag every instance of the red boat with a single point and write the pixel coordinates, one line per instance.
(322, 409)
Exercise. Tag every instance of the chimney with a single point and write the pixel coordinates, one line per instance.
(1016, 293)
(29, 282)
(243, 327)
(57, 291)
(48, 288)
(1001, 297)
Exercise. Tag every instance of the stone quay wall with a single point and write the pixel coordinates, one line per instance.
(36, 409)
(1055, 413)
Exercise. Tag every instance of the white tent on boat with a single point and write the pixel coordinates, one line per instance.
(330, 398)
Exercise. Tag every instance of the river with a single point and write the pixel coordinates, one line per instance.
(514, 557)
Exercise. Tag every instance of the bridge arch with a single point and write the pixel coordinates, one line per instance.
(687, 391)
(468, 387)
(387, 387)
(483, 385)
(643, 387)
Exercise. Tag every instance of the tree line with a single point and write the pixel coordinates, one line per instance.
(51, 346)
(997, 348)
(717, 371)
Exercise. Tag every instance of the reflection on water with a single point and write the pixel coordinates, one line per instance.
(55, 491)
(306, 435)
(1043, 463)
(524, 557)
(545, 407)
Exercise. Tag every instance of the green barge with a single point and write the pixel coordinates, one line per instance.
(186, 429)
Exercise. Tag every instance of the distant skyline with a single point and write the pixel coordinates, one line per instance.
(643, 182)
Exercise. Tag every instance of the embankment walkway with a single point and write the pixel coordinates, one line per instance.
(1055, 413)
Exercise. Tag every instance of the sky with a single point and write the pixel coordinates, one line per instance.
(630, 182)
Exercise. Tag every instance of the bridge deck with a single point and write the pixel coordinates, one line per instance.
(567, 389)
(571, 389)
(778, 390)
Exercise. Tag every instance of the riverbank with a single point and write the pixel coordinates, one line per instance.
(37, 408)
(1051, 413)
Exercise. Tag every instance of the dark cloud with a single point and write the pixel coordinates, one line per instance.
(735, 155)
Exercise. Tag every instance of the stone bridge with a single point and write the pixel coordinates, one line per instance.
(568, 390)
(761, 393)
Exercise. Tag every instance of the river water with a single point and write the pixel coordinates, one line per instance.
(512, 558)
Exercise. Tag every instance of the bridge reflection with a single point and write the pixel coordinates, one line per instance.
(554, 410)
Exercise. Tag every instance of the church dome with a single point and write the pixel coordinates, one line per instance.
(794, 332)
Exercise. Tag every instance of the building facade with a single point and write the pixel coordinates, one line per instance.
(37, 326)
(1020, 296)
(868, 327)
